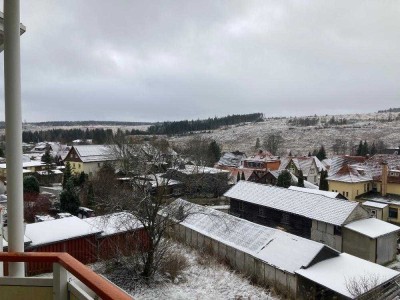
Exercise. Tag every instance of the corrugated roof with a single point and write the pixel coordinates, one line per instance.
(283, 250)
(316, 207)
(337, 272)
(372, 227)
(314, 191)
(89, 153)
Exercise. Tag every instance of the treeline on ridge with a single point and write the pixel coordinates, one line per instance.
(102, 136)
(180, 127)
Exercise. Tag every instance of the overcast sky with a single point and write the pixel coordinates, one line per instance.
(172, 60)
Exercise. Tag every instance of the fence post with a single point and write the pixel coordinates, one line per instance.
(60, 282)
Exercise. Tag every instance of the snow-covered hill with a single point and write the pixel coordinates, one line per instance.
(301, 140)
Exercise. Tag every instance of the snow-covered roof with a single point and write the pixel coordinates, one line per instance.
(58, 230)
(314, 191)
(351, 174)
(303, 163)
(45, 172)
(280, 249)
(192, 169)
(93, 153)
(114, 223)
(335, 273)
(374, 204)
(372, 227)
(231, 159)
(26, 164)
(312, 206)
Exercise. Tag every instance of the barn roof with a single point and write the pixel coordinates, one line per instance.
(372, 227)
(49, 232)
(312, 206)
(338, 272)
(282, 250)
(314, 191)
(114, 223)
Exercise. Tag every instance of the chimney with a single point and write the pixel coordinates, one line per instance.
(384, 178)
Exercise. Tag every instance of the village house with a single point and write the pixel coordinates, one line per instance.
(312, 216)
(294, 266)
(271, 177)
(262, 160)
(89, 158)
(200, 180)
(311, 167)
(231, 160)
(349, 177)
(28, 168)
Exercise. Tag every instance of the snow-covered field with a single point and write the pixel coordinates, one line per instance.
(300, 140)
(202, 281)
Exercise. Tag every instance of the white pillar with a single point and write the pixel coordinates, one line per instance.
(12, 89)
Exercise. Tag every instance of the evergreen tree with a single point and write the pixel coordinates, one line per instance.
(365, 149)
(284, 179)
(67, 174)
(300, 182)
(31, 185)
(69, 199)
(238, 177)
(323, 183)
(91, 203)
(80, 180)
(258, 144)
(214, 153)
(47, 159)
(373, 150)
(242, 178)
(360, 149)
(2, 152)
(321, 155)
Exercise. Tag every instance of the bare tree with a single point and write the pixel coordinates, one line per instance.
(358, 286)
(145, 195)
(273, 142)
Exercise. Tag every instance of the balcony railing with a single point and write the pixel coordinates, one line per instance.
(86, 284)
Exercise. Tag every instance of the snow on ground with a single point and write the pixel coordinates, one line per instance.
(300, 140)
(202, 281)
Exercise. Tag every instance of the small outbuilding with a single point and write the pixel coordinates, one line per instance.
(371, 239)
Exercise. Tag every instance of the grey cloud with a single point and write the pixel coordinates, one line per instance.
(169, 60)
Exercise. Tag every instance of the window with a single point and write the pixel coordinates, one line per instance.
(373, 213)
(347, 194)
(393, 213)
(73, 165)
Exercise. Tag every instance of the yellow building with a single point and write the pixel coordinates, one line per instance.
(348, 180)
(89, 158)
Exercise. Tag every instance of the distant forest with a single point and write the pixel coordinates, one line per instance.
(181, 127)
(101, 136)
(82, 123)
(389, 110)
